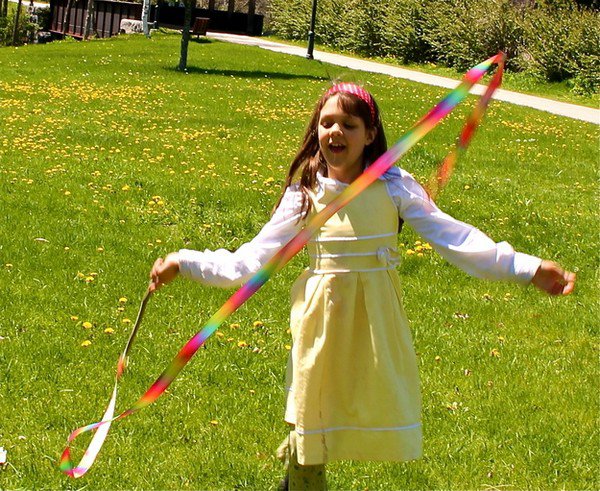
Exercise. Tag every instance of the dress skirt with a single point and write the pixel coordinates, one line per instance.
(353, 385)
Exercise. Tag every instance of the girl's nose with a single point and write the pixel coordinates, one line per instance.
(336, 129)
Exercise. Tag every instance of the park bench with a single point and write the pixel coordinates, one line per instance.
(200, 26)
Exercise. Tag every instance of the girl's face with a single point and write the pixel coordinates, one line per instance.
(342, 140)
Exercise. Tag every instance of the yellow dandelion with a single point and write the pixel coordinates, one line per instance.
(85, 325)
(109, 330)
(242, 344)
(409, 252)
(122, 300)
(219, 334)
(288, 347)
(86, 343)
(234, 326)
(74, 318)
(494, 353)
(214, 422)
(438, 359)
(257, 324)
(126, 321)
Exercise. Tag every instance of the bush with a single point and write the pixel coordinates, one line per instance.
(7, 25)
(554, 40)
(563, 44)
(462, 33)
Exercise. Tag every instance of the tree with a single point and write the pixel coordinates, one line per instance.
(89, 19)
(145, 13)
(185, 35)
(16, 26)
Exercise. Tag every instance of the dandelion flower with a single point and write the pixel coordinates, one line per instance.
(74, 318)
(86, 343)
(87, 325)
(242, 344)
(126, 321)
(257, 324)
(214, 422)
(122, 300)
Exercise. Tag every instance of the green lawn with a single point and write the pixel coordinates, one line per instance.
(110, 158)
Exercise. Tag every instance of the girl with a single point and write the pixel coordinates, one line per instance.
(352, 374)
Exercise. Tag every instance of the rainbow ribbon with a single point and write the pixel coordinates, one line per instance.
(278, 261)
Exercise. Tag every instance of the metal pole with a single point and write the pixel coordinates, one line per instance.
(311, 33)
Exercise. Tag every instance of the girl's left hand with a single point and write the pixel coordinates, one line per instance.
(554, 280)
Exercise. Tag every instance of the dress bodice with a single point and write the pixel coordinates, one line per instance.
(360, 237)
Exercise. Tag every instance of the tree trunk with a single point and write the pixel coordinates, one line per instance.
(67, 16)
(251, 12)
(4, 11)
(185, 35)
(231, 7)
(16, 26)
(211, 4)
(89, 19)
(145, 14)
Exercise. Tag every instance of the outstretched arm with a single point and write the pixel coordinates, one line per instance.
(554, 280)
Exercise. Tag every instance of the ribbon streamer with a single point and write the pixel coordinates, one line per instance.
(278, 261)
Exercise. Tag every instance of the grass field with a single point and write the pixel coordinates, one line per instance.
(110, 158)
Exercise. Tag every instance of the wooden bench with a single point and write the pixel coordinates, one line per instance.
(200, 26)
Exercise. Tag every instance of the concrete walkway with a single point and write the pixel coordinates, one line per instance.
(574, 111)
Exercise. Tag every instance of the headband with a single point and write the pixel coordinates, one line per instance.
(357, 91)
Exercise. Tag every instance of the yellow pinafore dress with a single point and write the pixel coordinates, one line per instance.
(353, 385)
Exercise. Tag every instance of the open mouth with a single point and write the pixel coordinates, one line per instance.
(336, 147)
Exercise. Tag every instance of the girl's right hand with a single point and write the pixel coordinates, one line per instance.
(164, 271)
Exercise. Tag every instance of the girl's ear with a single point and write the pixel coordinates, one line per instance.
(371, 134)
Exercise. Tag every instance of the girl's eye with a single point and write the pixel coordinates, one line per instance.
(350, 126)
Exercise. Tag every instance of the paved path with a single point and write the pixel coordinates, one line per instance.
(574, 111)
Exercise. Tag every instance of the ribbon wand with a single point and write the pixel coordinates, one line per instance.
(278, 261)
(101, 428)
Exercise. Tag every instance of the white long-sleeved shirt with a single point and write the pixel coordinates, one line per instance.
(459, 243)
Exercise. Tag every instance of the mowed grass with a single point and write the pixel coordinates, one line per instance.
(109, 158)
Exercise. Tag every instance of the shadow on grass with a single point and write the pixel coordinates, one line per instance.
(193, 70)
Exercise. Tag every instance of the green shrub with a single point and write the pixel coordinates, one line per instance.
(462, 33)
(552, 40)
(563, 44)
(7, 25)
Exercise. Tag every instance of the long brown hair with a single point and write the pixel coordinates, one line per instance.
(309, 160)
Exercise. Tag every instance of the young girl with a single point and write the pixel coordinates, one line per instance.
(352, 374)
